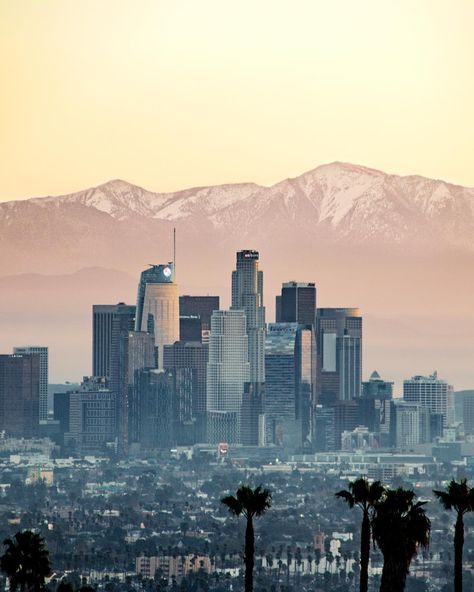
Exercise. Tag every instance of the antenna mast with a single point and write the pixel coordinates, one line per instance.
(174, 254)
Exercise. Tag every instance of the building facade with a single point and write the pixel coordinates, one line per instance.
(42, 352)
(339, 350)
(227, 372)
(92, 417)
(247, 295)
(158, 306)
(433, 393)
(20, 394)
(108, 320)
(298, 303)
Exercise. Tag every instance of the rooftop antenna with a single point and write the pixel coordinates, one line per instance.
(174, 254)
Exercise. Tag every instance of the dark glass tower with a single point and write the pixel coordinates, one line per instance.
(19, 394)
(339, 347)
(297, 303)
(199, 306)
(192, 356)
(107, 319)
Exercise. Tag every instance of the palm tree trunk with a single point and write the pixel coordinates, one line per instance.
(458, 549)
(394, 575)
(249, 555)
(364, 552)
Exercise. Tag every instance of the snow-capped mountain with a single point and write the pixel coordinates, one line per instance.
(399, 247)
(335, 202)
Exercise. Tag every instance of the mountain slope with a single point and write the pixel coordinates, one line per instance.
(398, 247)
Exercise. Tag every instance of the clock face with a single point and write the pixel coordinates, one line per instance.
(167, 272)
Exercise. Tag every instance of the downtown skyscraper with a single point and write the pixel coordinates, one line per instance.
(297, 303)
(228, 371)
(42, 352)
(247, 295)
(158, 306)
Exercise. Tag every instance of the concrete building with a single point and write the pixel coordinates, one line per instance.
(42, 352)
(433, 393)
(409, 424)
(359, 439)
(92, 417)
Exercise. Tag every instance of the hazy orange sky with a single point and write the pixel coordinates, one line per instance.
(169, 94)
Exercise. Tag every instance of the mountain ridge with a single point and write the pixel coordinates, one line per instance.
(397, 247)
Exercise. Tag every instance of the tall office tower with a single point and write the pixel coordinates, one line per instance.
(227, 372)
(434, 394)
(252, 416)
(298, 303)
(190, 328)
(409, 424)
(19, 394)
(154, 392)
(193, 356)
(290, 376)
(306, 381)
(325, 429)
(92, 417)
(106, 319)
(199, 306)
(280, 384)
(132, 351)
(468, 413)
(247, 295)
(158, 306)
(278, 308)
(375, 406)
(42, 351)
(339, 349)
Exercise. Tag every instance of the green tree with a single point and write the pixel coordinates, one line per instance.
(26, 561)
(365, 496)
(249, 503)
(460, 498)
(400, 526)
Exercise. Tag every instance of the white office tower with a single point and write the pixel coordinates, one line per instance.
(42, 351)
(228, 370)
(247, 295)
(434, 394)
(158, 306)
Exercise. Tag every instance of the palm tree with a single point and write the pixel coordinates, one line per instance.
(400, 526)
(460, 498)
(26, 561)
(250, 503)
(364, 495)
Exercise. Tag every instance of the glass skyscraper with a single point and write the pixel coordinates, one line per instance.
(227, 372)
(158, 306)
(42, 351)
(339, 348)
(297, 303)
(247, 295)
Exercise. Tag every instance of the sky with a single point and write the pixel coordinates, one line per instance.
(175, 93)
